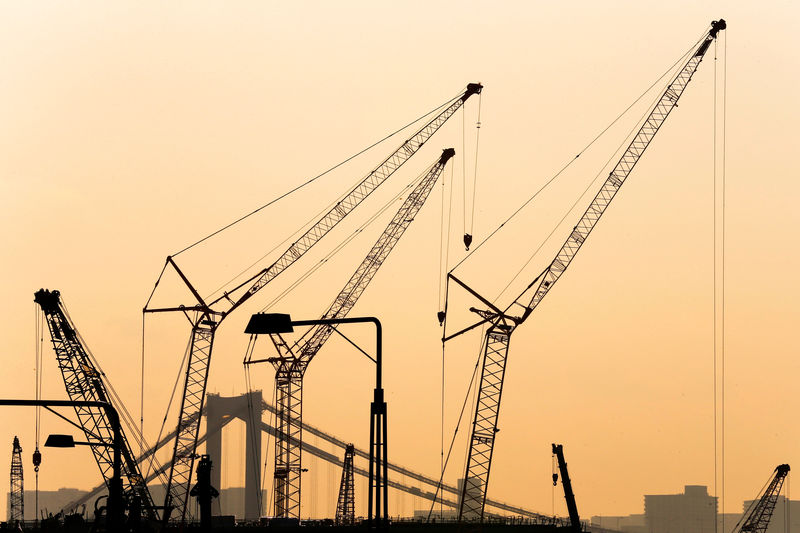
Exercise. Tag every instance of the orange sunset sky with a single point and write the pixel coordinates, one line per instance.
(131, 129)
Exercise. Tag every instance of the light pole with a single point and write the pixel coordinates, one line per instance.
(114, 512)
(378, 508)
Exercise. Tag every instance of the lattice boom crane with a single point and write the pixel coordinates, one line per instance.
(501, 324)
(292, 363)
(757, 521)
(210, 314)
(16, 493)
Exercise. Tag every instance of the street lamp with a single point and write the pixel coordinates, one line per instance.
(114, 511)
(275, 323)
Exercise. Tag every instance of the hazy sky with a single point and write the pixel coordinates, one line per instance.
(129, 130)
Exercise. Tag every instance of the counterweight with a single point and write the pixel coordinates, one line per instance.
(501, 325)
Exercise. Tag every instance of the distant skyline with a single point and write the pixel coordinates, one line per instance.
(130, 130)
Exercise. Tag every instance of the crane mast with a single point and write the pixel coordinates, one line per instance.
(501, 325)
(84, 382)
(207, 320)
(758, 519)
(292, 363)
(16, 493)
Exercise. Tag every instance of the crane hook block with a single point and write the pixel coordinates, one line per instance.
(555, 479)
(440, 315)
(37, 459)
(467, 240)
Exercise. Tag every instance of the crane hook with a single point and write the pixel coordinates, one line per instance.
(555, 479)
(467, 240)
(37, 459)
(440, 315)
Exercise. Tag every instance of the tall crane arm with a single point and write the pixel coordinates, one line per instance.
(758, 519)
(366, 271)
(84, 382)
(618, 175)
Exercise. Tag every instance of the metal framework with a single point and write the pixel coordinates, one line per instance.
(346, 504)
(758, 519)
(292, 362)
(85, 383)
(207, 319)
(502, 324)
(16, 492)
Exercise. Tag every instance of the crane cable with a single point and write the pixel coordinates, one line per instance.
(468, 236)
(38, 371)
(310, 181)
(719, 186)
(572, 160)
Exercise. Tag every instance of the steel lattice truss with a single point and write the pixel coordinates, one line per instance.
(502, 325)
(194, 392)
(290, 368)
(346, 504)
(205, 326)
(85, 383)
(16, 489)
(484, 425)
(758, 519)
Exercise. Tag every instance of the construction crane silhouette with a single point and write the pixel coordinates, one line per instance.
(85, 382)
(501, 323)
(346, 503)
(566, 483)
(756, 518)
(209, 315)
(16, 494)
(292, 362)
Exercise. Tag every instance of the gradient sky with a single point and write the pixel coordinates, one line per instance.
(129, 130)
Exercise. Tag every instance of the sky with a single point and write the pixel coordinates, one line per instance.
(130, 130)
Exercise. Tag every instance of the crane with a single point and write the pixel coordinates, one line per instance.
(760, 512)
(208, 315)
(346, 504)
(501, 324)
(569, 496)
(85, 382)
(292, 362)
(16, 493)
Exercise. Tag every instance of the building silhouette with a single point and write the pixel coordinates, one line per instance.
(693, 511)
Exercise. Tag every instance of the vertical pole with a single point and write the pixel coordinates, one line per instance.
(371, 481)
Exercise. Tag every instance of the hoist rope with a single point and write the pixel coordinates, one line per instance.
(475, 168)
(141, 390)
(464, 169)
(444, 235)
(308, 182)
(169, 403)
(472, 382)
(714, 295)
(253, 429)
(572, 160)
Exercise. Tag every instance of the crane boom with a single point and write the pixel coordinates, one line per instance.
(289, 371)
(502, 325)
(16, 493)
(205, 325)
(84, 382)
(566, 482)
(760, 515)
